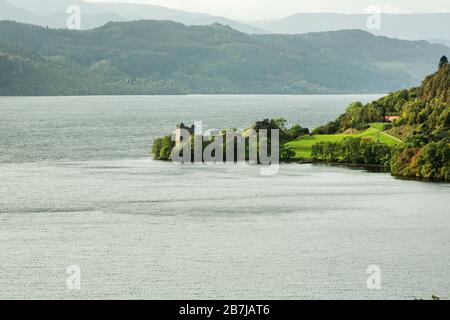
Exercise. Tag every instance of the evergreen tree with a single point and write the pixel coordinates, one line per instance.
(443, 62)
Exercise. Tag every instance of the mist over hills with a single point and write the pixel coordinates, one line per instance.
(9, 11)
(434, 26)
(52, 13)
(150, 12)
(163, 57)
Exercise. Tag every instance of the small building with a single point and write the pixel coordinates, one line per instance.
(391, 118)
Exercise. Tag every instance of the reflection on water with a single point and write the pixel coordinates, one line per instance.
(359, 167)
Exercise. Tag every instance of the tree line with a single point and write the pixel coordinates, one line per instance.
(352, 151)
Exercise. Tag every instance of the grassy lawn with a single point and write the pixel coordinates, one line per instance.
(380, 126)
(302, 146)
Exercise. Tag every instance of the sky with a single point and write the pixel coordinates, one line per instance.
(272, 9)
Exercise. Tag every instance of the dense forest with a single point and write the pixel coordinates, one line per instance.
(421, 119)
(163, 57)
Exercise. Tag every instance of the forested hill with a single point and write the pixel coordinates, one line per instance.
(163, 57)
(437, 86)
(421, 119)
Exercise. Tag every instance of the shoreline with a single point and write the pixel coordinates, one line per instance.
(372, 168)
(196, 94)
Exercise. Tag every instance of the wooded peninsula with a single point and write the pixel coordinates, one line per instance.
(406, 132)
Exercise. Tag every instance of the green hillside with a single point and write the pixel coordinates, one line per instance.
(162, 57)
(422, 123)
(437, 86)
(303, 145)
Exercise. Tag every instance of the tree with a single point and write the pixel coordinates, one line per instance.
(296, 131)
(286, 154)
(280, 123)
(166, 148)
(156, 148)
(444, 61)
(416, 140)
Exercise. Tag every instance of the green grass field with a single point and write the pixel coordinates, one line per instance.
(303, 145)
(379, 125)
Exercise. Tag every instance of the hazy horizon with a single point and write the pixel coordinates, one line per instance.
(247, 10)
(253, 10)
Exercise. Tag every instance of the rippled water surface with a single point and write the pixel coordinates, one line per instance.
(77, 188)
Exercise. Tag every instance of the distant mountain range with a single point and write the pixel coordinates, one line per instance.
(434, 27)
(163, 57)
(52, 13)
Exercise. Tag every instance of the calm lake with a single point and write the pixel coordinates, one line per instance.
(78, 188)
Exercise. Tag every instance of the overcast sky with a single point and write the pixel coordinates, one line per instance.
(268, 9)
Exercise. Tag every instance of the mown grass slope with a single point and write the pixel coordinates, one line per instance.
(303, 145)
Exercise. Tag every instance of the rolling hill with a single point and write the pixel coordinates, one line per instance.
(433, 27)
(163, 57)
(53, 13)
